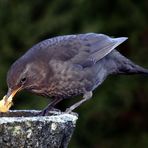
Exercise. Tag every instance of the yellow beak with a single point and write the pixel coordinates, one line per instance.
(6, 102)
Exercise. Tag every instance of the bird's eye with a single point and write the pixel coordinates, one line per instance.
(23, 80)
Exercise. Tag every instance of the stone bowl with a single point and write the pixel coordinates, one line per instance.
(24, 129)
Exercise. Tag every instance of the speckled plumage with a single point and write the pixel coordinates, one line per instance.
(66, 66)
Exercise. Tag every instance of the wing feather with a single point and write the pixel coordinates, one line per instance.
(82, 49)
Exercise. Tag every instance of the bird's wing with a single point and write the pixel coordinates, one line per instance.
(87, 48)
(82, 49)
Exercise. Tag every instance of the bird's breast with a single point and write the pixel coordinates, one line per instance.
(65, 88)
(66, 81)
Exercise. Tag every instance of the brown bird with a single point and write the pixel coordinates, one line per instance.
(66, 66)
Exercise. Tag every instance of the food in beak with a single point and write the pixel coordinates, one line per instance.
(5, 103)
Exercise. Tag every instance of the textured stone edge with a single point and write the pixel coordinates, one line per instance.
(65, 119)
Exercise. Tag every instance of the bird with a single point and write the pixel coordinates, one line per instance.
(66, 66)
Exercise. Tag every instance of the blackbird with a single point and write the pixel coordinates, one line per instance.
(67, 66)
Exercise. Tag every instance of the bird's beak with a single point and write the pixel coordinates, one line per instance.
(6, 102)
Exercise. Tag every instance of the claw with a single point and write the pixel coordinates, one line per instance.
(45, 112)
(68, 110)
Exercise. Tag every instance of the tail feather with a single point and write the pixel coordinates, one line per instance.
(122, 65)
(131, 68)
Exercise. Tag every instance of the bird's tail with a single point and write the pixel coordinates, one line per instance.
(131, 68)
(126, 66)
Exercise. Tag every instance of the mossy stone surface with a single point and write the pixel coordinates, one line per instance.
(25, 130)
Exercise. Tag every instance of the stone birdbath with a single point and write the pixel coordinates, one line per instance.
(23, 129)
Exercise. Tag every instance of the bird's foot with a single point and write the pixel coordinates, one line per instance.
(42, 113)
(68, 110)
(45, 112)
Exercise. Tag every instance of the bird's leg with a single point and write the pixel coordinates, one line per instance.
(86, 97)
(50, 106)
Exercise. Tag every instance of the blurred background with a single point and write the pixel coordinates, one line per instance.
(117, 114)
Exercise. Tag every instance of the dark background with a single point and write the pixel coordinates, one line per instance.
(117, 114)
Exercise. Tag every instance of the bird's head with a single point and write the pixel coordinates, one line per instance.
(22, 75)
